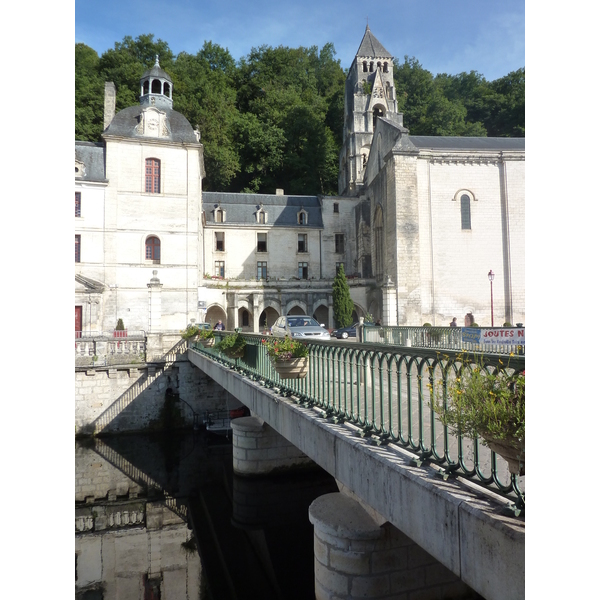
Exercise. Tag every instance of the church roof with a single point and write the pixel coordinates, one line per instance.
(282, 211)
(125, 122)
(91, 154)
(435, 142)
(371, 46)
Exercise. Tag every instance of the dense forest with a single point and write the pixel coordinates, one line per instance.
(274, 118)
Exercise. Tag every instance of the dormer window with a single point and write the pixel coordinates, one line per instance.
(302, 217)
(261, 215)
(219, 214)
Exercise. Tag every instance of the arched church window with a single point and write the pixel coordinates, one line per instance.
(146, 86)
(385, 67)
(465, 212)
(378, 111)
(153, 249)
(378, 231)
(365, 68)
(379, 64)
(371, 67)
(156, 87)
(167, 90)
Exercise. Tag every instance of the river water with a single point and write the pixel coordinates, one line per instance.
(163, 517)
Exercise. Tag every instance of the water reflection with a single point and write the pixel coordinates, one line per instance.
(163, 517)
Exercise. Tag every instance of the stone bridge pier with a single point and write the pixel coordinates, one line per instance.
(356, 553)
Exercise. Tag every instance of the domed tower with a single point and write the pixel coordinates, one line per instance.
(369, 94)
(156, 88)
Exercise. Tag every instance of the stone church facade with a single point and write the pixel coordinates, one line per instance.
(418, 223)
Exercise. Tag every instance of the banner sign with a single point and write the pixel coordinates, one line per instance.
(514, 336)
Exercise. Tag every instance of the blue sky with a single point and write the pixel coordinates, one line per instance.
(446, 37)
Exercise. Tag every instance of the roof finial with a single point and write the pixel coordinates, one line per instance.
(156, 63)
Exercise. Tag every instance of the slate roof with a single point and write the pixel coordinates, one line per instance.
(371, 46)
(282, 211)
(91, 154)
(126, 120)
(434, 142)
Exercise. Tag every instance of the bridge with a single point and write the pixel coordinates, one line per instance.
(363, 415)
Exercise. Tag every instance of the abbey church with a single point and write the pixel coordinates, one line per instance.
(418, 224)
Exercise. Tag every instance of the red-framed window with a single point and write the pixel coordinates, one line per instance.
(77, 248)
(77, 204)
(153, 248)
(152, 176)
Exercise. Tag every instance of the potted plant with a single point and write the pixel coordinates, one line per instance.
(120, 331)
(233, 345)
(193, 332)
(289, 357)
(488, 403)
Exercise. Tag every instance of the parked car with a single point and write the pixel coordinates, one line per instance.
(343, 333)
(299, 326)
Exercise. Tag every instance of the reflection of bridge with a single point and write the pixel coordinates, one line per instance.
(362, 414)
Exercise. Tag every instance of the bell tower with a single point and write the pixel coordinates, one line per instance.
(156, 88)
(369, 94)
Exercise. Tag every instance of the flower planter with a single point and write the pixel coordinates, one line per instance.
(239, 353)
(512, 451)
(207, 342)
(295, 368)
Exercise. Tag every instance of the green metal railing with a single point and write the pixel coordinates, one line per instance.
(387, 392)
(443, 338)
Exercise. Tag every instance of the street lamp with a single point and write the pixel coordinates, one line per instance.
(491, 278)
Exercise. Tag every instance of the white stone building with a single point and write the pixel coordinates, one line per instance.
(419, 223)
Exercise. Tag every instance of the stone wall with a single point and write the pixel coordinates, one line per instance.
(132, 398)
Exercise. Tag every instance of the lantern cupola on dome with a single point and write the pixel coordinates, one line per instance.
(156, 88)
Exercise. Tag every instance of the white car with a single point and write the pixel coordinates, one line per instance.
(299, 326)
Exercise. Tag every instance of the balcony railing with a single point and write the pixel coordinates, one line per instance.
(102, 349)
(386, 392)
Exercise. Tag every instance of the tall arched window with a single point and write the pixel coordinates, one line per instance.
(153, 249)
(156, 86)
(465, 212)
(152, 176)
(378, 231)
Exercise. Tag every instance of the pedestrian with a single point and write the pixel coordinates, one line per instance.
(453, 324)
(219, 326)
(378, 323)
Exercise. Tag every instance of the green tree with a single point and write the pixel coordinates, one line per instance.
(290, 91)
(204, 92)
(509, 120)
(342, 303)
(89, 95)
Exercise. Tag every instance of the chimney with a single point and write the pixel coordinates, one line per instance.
(110, 100)
(279, 192)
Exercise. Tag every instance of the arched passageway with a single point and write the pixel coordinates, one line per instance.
(267, 318)
(214, 314)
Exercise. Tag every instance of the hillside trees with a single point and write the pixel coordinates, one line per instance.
(274, 119)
